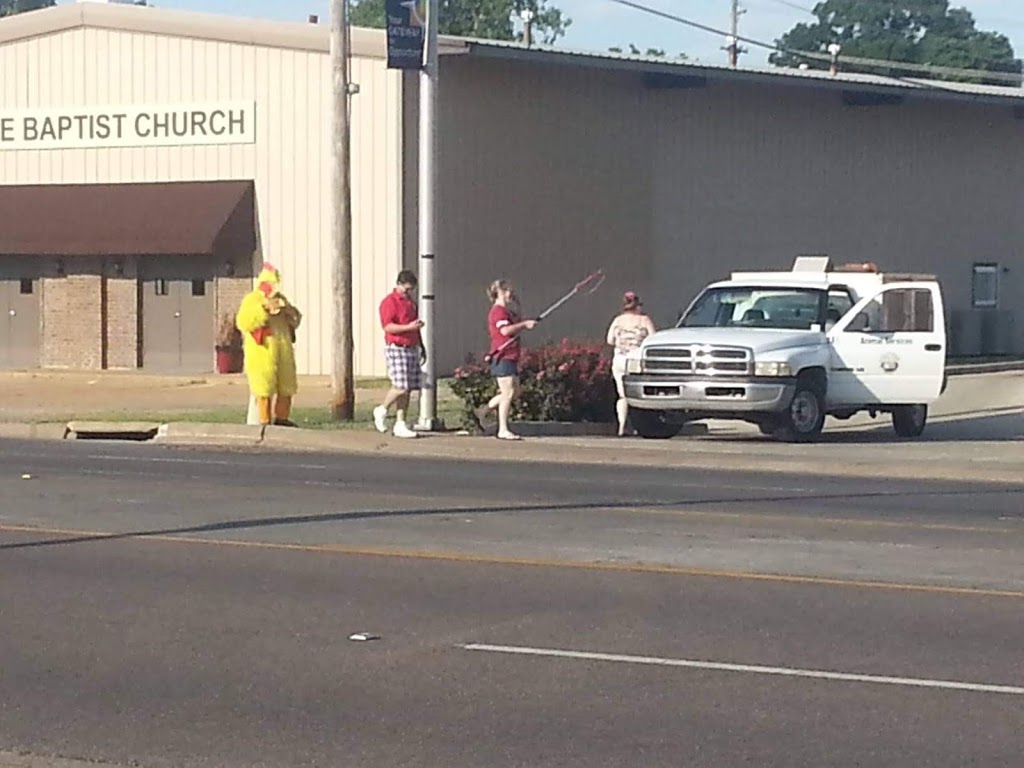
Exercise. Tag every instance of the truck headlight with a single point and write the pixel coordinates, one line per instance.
(772, 369)
(634, 365)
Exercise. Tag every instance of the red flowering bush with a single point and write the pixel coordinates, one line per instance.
(571, 381)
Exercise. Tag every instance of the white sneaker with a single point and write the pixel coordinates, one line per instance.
(380, 415)
(402, 430)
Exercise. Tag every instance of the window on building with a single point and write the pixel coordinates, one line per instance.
(27, 287)
(198, 287)
(985, 286)
(162, 287)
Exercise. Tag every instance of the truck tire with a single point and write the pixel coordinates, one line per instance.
(651, 425)
(804, 419)
(909, 420)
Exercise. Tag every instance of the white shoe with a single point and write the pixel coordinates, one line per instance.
(380, 415)
(402, 430)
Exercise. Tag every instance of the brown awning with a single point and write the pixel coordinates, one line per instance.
(195, 217)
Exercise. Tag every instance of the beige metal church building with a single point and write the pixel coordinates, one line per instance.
(150, 160)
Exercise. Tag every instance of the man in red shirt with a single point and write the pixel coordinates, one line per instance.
(403, 351)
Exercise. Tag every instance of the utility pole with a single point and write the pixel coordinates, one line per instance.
(732, 43)
(342, 344)
(428, 420)
(527, 15)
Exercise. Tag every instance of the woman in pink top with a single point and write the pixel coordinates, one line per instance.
(503, 327)
(625, 334)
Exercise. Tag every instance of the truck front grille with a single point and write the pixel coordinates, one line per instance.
(699, 360)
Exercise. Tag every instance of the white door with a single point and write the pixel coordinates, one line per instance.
(890, 348)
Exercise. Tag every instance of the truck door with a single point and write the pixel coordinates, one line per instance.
(890, 348)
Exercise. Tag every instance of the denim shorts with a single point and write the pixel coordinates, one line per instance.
(501, 368)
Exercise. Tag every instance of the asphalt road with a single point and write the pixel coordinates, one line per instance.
(173, 608)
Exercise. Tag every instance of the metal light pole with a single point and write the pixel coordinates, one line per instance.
(428, 420)
(342, 378)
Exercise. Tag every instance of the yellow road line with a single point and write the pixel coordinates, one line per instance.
(805, 520)
(458, 557)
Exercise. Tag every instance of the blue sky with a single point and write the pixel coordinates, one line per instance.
(600, 24)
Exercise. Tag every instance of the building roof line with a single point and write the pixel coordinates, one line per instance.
(314, 38)
(371, 43)
(845, 81)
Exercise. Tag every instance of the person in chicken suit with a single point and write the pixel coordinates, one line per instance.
(268, 322)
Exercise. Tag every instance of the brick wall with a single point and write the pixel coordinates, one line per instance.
(230, 292)
(231, 289)
(73, 316)
(122, 314)
(92, 314)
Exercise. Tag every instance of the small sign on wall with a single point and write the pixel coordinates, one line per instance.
(137, 126)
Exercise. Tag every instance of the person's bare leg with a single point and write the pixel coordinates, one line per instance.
(621, 406)
(401, 428)
(506, 393)
(380, 413)
(402, 405)
(392, 397)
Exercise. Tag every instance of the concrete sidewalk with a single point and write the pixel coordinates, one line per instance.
(976, 432)
(67, 395)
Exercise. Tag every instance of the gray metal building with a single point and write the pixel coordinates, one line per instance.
(670, 176)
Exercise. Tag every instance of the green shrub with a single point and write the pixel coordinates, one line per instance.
(571, 381)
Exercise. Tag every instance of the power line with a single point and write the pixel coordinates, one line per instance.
(795, 6)
(927, 69)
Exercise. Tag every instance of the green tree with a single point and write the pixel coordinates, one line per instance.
(921, 32)
(11, 7)
(489, 19)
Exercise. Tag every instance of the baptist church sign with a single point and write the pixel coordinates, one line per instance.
(178, 125)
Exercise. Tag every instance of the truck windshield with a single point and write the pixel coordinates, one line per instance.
(749, 307)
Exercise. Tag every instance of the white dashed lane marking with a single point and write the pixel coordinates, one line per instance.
(748, 668)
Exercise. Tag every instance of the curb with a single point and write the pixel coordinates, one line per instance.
(33, 431)
(568, 450)
(188, 433)
(451, 446)
(968, 369)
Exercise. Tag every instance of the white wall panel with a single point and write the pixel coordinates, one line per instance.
(289, 162)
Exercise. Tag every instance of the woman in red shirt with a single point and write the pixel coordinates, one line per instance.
(504, 325)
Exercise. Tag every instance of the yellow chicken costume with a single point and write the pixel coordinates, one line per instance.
(268, 322)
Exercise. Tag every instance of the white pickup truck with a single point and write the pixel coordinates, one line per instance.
(784, 349)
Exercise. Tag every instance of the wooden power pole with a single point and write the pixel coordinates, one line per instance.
(342, 343)
(734, 43)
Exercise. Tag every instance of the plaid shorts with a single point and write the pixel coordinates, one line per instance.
(403, 366)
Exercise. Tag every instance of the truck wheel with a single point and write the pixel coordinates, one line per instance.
(651, 425)
(909, 420)
(803, 421)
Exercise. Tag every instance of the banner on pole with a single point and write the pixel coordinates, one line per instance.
(407, 21)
